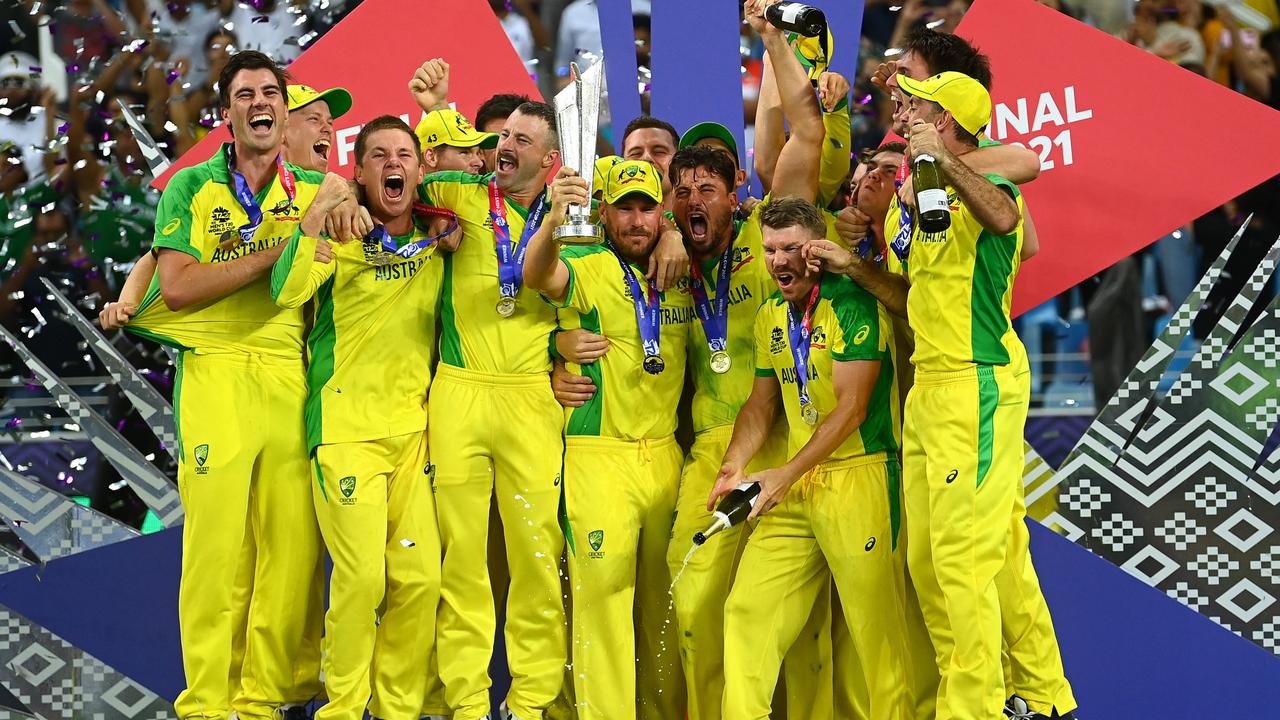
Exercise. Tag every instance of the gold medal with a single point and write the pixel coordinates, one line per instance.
(506, 307)
(381, 259)
(653, 364)
(809, 413)
(720, 362)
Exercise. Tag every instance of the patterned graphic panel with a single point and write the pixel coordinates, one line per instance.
(154, 409)
(56, 681)
(158, 492)
(49, 523)
(1174, 490)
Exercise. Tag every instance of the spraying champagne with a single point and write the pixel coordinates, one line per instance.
(732, 510)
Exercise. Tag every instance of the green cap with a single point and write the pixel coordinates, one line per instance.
(711, 131)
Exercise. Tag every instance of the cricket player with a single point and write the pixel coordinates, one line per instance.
(622, 463)
(242, 465)
(964, 421)
(830, 511)
(371, 350)
(495, 429)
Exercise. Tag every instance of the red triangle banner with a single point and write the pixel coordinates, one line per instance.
(369, 54)
(1132, 147)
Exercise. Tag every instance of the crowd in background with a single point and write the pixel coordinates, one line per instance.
(76, 207)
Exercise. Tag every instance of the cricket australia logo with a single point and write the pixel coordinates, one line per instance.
(348, 487)
(595, 539)
(202, 456)
(818, 338)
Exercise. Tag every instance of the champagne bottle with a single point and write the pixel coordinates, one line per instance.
(796, 17)
(931, 195)
(733, 509)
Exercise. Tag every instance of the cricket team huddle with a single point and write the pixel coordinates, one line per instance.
(364, 367)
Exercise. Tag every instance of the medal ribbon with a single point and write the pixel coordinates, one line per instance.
(798, 331)
(420, 210)
(648, 308)
(901, 242)
(714, 315)
(511, 263)
(245, 197)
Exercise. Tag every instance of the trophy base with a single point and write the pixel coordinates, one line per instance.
(579, 232)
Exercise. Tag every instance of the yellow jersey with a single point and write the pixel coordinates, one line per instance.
(846, 326)
(199, 215)
(630, 403)
(962, 290)
(718, 397)
(372, 346)
(472, 333)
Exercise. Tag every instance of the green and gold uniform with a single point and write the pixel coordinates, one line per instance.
(705, 580)
(622, 469)
(371, 350)
(495, 431)
(242, 470)
(839, 522)
(963, 459)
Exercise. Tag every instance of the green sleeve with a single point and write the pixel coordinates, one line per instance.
(859, 319)
(296, 275)
(444, 189)
(175, 215)
(1003, 184)
(764, 363)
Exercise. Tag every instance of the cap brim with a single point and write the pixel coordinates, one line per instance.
(704, 130)
(486, 141)
(633, 191)
(338, 100)
(913, 87)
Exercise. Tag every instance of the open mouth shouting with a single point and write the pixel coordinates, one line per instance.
(507, 162)
(321, 149)
(785, 279)
(261, 123)
(393, 186)
(698, 226)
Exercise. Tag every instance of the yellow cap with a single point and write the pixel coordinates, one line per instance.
(602, 172)
(338, 99)
(962, 96)
(450, 127)
(631, 176)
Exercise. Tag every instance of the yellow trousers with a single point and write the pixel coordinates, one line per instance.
(836, 523)
(378, 518)
(704, 586)
(962, 460)
(498, 436)
(245, 487)
(620, 497)
(1035, 663)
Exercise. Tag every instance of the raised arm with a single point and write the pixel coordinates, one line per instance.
(544, 271)
(993, 208)
(796, 171)
(1015, 163)
(889, 288)
(430, 85)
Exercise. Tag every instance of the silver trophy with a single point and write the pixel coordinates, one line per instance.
(578, 114)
